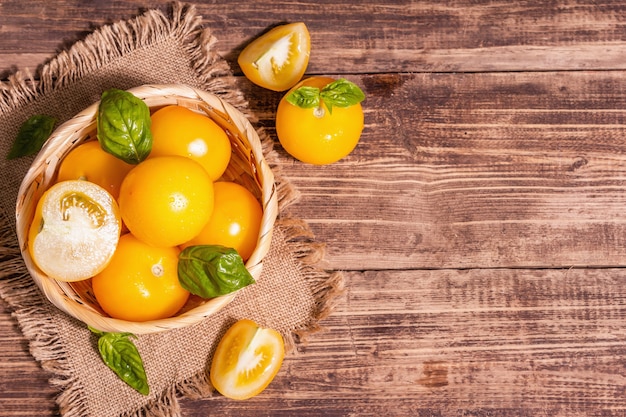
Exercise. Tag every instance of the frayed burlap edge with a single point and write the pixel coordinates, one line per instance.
(102, 46)
(325, 286)
(113, 41)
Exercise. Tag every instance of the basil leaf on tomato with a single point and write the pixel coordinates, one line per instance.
(305, 97)
(32, 135)
(341, 93)
(123, 126)
(120, 354)
(212, 270)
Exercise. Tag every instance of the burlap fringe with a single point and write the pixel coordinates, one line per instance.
(325, 286)
(17, 289)
(113, 41)
(102, 46)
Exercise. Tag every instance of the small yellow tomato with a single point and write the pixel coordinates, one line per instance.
(166, 200)
(246, 360)
(277, 59)
(90, 162)
(141, 282)
(235, 221)
(177, 130)
(321, 127)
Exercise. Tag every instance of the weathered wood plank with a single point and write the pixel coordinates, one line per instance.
(24, 387)
(516, 169)
(528, 342)
(455, 170)
(473, 170)
(367, 36)
(449, 342)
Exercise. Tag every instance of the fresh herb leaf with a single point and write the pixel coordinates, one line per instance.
(123, 126)
(341, 93)
(212, 270)
(120, 354)
(305, 97)
(32, 135)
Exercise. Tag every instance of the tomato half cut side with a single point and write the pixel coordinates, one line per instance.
(277, 59)
(246, 360)
(75, 230)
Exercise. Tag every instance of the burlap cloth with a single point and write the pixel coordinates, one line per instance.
(291, 296)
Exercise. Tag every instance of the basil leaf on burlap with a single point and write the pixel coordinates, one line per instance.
(32, 135)
(120, 354)
(212, 270)
(123, 126)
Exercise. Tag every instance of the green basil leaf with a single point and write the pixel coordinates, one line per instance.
(120, 354)
(305, 97)
(32, 135)
(123, 126)
(341, 93)
(212, 270)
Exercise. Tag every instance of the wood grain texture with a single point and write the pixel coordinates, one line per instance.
(450, 342)
(24, 387)
(480, 221)
(475, 170)
(369, 36)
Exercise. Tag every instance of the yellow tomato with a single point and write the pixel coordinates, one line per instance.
(316, 135)
(140, 283)
(90, 162)
(75, 230)
(235, 221)
(277, 59)
(246, 360)
(166, 201)
(177, 130)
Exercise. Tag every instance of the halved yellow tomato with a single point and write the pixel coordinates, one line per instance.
(277, 59)
(75, 230)
(246, 360)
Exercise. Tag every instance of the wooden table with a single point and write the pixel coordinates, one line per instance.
(481, 221)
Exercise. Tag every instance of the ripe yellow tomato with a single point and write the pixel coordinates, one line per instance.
(177, 130)
(167, 200)
(277, 59)
(235, 221)
(75, 230)
(90, 162)
(246, 360)
(141, 282)
(316, 135)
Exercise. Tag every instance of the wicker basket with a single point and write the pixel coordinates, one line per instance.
(247, 167)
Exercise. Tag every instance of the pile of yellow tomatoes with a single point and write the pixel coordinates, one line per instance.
(123, 226)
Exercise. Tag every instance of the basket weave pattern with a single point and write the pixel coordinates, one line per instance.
(247, 167)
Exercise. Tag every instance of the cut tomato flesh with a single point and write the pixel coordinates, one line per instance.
(75, 230)
(246, 360)
(278, 59)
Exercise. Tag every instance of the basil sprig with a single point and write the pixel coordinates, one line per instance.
(212, 270)
(123, 126)
(120, 354)
(32, 135)
(339, 93)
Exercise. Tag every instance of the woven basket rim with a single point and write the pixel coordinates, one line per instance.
(250, 162)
